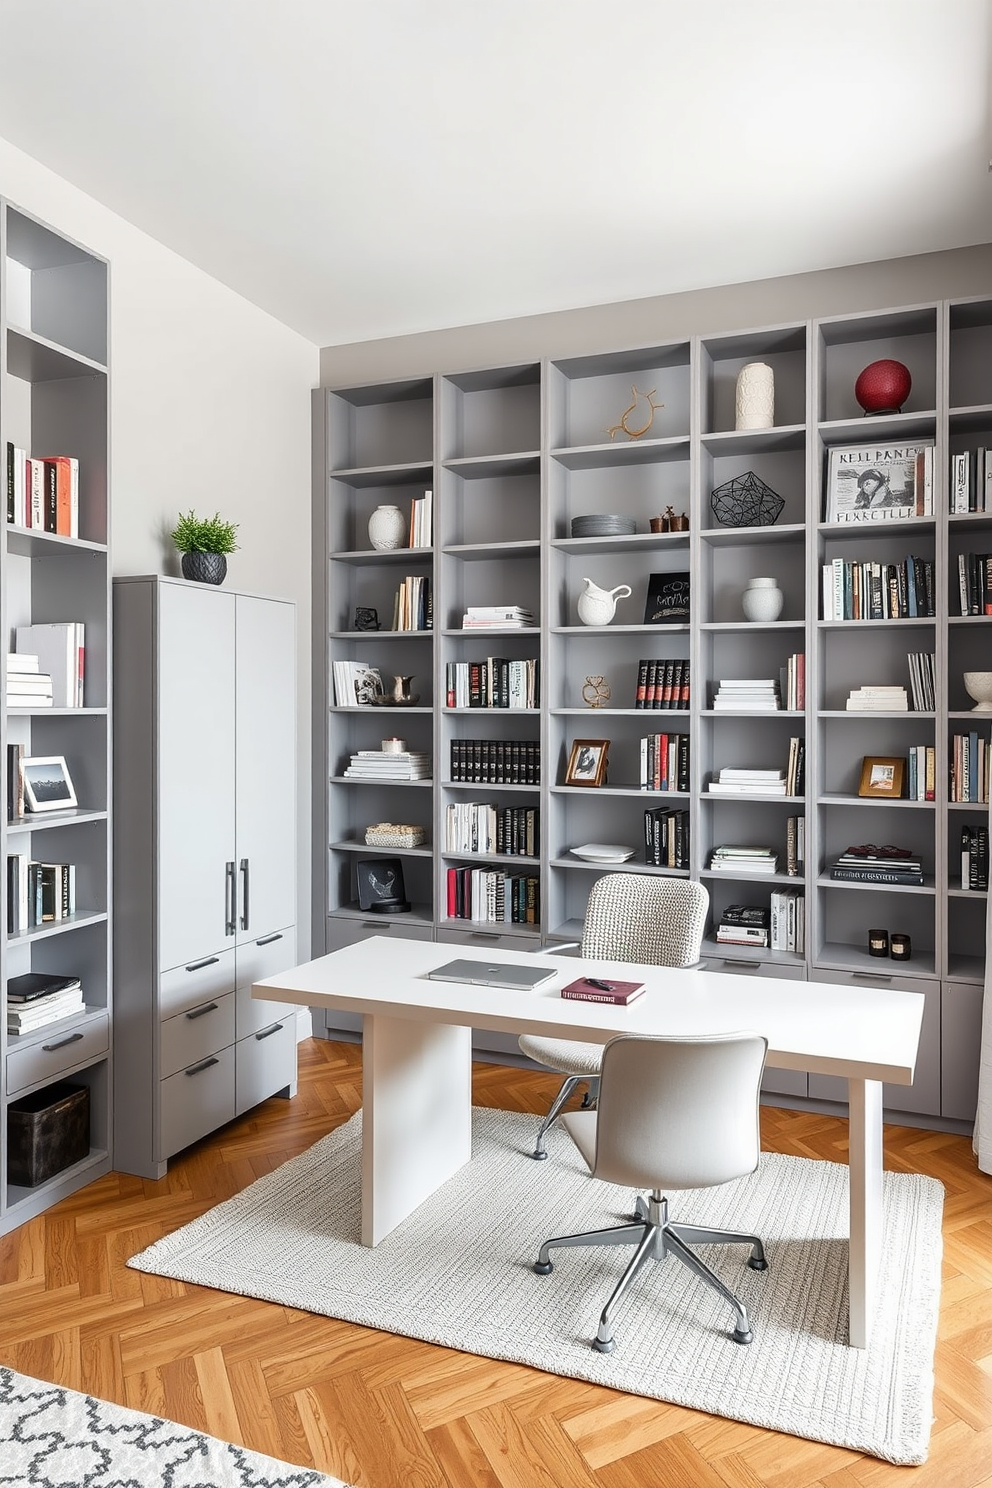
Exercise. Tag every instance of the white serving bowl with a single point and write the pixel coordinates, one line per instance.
(978, 685)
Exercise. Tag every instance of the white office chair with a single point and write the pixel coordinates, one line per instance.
(629, 917)
(673, 1113)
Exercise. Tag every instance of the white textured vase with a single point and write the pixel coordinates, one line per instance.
(387, 528)
(755, 396)
(762, 600)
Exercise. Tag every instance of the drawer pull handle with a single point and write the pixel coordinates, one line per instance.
(741, 962)
(268, 1032)
(211, 1007)
(195, 1069)
(199, 965)
(376, 925)
(73, 1038)
(872, 976)
(268, 939)
(483, 935)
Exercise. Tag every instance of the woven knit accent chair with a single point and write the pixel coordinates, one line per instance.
(674, 1113)
(629, 917)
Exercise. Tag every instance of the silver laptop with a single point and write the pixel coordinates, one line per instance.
(515, 974)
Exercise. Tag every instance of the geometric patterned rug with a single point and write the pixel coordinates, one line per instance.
(56, 1438)
(458, 1272)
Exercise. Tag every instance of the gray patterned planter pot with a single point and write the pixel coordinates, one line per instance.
(205, 568)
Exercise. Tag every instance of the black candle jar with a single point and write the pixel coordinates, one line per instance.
(900, 947)
(878, 942)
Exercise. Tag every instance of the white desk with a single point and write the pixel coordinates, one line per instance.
(417, 1059)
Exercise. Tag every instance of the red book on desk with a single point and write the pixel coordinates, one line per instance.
(619, 993)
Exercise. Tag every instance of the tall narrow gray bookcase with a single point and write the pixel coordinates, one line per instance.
(54, 307)
(513, 455)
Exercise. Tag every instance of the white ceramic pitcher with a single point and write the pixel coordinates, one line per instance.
(597, 606)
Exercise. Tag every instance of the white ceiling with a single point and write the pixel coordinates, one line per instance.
(363, 168)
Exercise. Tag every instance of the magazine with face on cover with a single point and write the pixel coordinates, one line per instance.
(875, 482)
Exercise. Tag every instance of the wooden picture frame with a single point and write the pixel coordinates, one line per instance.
(587, 762)
(882, 776)
(47, 783)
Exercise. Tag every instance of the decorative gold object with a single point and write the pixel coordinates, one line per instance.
(596, 692)
(643, 405)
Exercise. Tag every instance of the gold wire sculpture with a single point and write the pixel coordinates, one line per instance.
(642, 400)
(596, 692)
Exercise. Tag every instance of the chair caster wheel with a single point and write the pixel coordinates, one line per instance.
(740, 1336)
(543, 1268)
(539, 1156)
(603, 1345)
(758, 1263)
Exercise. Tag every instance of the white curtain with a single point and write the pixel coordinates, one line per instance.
(983, 1116)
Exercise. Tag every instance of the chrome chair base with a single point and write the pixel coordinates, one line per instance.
(655, 1237)
(568, 1085)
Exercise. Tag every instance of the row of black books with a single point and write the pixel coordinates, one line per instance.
(664, 762)
(483, 827)
(489, 896)
(38, 998)
(494, 683)
(970, 757)
(975, 857)
(971, 481)
(893, 866)
(666, 838)
(795, 845)
(662, 683)
(496, 761)
(975, 583)
(921, 680)
(38, 892)
(865, 590)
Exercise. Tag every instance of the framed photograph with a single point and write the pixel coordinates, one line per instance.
(882, 775)
(47, 784)
(380, 886)
(667, 600)
(587, 762)
(880, 483)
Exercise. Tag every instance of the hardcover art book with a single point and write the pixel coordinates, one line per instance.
(880, 482)
(667, 600)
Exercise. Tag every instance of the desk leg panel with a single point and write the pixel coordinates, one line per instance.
(416, 1116)
(865, 1156)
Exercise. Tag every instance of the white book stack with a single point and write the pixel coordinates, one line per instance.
(355, 684)
(760, 695)
(879, 699)
(61, 650)
(377, 764)
(27, 685)
(788, 921)
(496, 617)
(24, 1017)
(733, 782)
(744, 861)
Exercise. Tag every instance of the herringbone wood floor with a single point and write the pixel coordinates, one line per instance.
(387, 1412)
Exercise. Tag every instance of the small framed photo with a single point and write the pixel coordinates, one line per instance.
(47, 783)
(587, 762)
(882, 776)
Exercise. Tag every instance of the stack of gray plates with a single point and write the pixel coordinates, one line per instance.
(603, 525)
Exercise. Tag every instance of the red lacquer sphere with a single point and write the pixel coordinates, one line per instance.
(883, 387)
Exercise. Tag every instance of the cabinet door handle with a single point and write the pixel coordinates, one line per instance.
(244, 893)
(211, 1007)
(199, 965)
(230, 895)
(741, 963)
(195, 1069)
(268, 939)
(73, 1038)
(483, 935)
(268, 1032)
(872, 976)
(376, 925)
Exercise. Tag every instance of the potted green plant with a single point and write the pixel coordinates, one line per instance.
(204, 543)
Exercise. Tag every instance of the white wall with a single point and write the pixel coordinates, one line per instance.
(210, 408)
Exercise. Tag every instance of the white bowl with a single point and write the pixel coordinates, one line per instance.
(978, 685)
(603, 852)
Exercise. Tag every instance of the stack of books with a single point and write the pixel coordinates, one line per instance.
(27, 686)
(744, 924)
(747, 696)
(878, 698)
(666, 837)
(662, 684)
(60, 647)
(971, 481)
(744, 861)
(733, 782)
(921, 777)
(664, 762)
(795, 772)
(43, 493)
(494, 683)
(970, 756)
(895, 865)
(975, 857)
(792, 682)
(39, 998)
(856, 590)
(795, 845)
(38, 892)
(413, 605)
(378, 764)
(497, 617)
(788, 911)
(921, 680)
(421, 533)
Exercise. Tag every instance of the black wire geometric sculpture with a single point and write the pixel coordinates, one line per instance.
(746, 501)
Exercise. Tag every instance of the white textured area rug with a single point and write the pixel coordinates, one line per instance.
(51, 1437)
(458, 1272)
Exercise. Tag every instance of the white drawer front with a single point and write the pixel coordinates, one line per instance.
(64, 1049)
(266, 1061)
(196, 1101)
(192, 1035)
(266, 957)
(188, 986)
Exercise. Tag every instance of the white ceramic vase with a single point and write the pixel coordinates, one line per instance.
(597, 606)
(762, 600)
(387, 528)
(755, 396)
